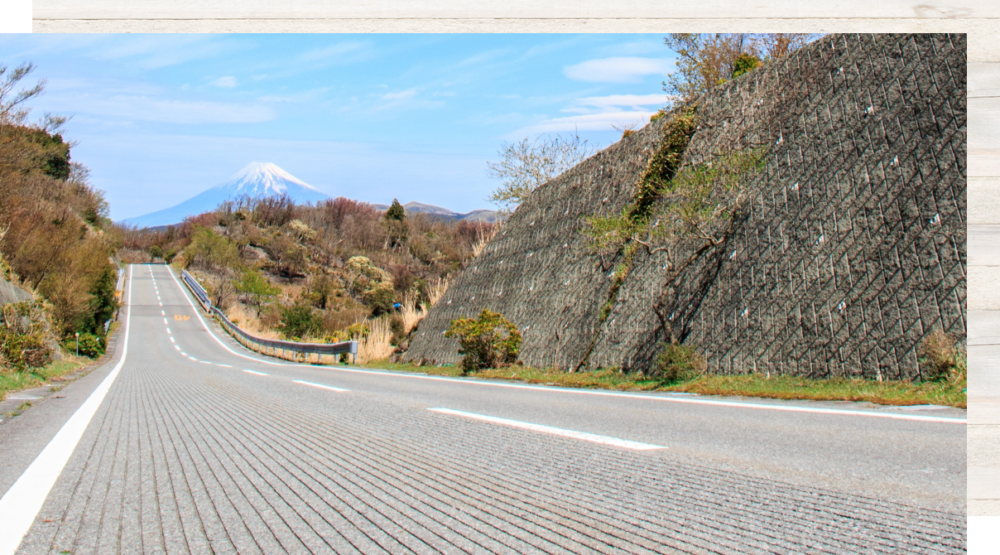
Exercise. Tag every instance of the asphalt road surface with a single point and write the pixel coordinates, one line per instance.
(187, 442)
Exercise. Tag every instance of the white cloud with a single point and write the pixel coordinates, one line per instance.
(618, 101)
(312, 95)
(604, 121)
(402, 95)
(227, 82)
(617, 70)
(343, 52)
(177, 111)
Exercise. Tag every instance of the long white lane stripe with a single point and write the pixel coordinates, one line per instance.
(664, 398)
(20, 505)
(321, 386)
(604, 440)
(256, 373)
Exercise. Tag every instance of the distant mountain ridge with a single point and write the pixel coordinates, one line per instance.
(257, 179)
(263, 179)
(414, 207)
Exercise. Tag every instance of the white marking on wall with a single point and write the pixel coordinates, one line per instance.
(594, 438)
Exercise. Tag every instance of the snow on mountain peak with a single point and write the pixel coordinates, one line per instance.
(264, 179)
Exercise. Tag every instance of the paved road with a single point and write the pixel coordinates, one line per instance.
(201, 446)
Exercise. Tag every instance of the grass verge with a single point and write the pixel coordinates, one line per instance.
(901, 393)
(16, 381)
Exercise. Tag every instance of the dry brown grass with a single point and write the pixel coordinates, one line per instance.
(247, 321)
(484, 239)
(410, 312)
(378, 344)
(437, 290)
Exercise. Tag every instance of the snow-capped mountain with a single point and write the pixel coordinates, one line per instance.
(257, 179)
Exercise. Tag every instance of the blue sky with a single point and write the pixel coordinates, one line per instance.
(160, 118)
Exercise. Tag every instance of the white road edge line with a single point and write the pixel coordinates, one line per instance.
(321, 386)
(604, 440)
(20, 505)
(734, 404)
(256, 373)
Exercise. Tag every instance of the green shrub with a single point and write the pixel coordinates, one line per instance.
(358, 331)
(22, 336)
(744, 64)
(91, 346)
(489, 342)
(940, 359)
(397, 328)
(299, 321)
(21, 351)
(380, 300)
(677, 362)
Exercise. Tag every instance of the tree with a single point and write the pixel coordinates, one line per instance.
(256, 289)
(395, 212)
(395, 219)
(526, 165)
(707, 60)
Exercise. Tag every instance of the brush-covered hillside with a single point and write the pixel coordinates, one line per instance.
(56, 243)
(329, 271)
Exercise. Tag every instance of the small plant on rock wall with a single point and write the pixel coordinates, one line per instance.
(677, 362)
(940, 359)
(489, 342)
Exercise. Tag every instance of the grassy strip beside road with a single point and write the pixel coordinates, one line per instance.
(949, 393)
(53, 372)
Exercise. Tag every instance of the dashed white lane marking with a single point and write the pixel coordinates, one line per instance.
(168, 330)
(204, 362)
(172, 339)
(163, 313)
(20, 505)
(256, 373)
(320, 386)
(546, 389)
(161, 304)
(604, 440)
(223, 365)
(165, 322)
(176, 347)
(183, 353)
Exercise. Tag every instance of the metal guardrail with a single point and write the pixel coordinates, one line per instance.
(271, 347)
(118, 297)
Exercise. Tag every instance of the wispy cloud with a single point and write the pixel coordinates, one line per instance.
(617, 70)
(312, 95)
(616, 102)
(143, 108)
(227, 82)
(603, 121)
(158, 51)
(342, 52)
